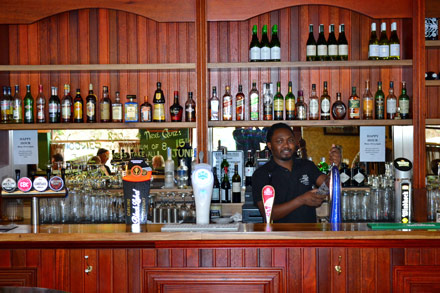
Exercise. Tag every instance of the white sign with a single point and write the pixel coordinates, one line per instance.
(232, 157)
(372, 144)
(25, 147)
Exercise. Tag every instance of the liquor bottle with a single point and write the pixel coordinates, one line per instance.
(54, 105)
(41, 105)
(314, 104)
(332, 44)
(278, 104)
(214, 105)
(311, 45)
(169, 170)
(105, 106)
(325, 104)
(215, 188)
(117, 111)
(224, 164)
(368, 103)
(290, 103)
(225, 186)
(301, 107)
(236, 185)
(78, 107)
(4, 106)
(176, 111)
(342, 44)
(358, 176)
(11, 104)
(391, 102)
(379, 101)
(322, 45)
(404, 102)
(384, 44)
(249, 169)
(131, 109)
(275, 47)
(182, 175)
(146, 111)
(354, 105)
(159, 104)
(339, 110)
(254, 101)
(240, 104)
(28, 106)
(267, 104)
(345, 174)
(91, 105)
(394, 43)
(66, 105)
(323, 166)
(265, 45)
(227, 104)
(17, 107)
(373, 44)
(190, 109)
(254, 47)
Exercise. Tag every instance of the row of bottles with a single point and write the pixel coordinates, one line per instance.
(330, 49)
(68, 109)
(384, 48)
(279, 107)
(265, 50)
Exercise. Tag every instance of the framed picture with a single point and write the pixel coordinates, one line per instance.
(341, 130)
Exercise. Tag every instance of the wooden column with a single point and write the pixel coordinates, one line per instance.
(4, 54)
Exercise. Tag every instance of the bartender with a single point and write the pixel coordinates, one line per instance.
(291, 177)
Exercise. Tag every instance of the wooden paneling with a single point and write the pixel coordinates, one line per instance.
(416, 279)
(18, 277)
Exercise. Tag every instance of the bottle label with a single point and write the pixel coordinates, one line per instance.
(322, 50)
(314, 107)
(373, 51)
(278, 105)
(249, 171)
(302, 113)
(105, 111)
(214, 110)
(255, 54)
(77, 110)
(28, 112)
(236, 187)
(190, 111)
(290, 105)
(146, 114)
(311, 50)
(325, 106)
(384, 51)
(354, 106)
(391, 106)
(275, 53)
(215, 194)
(40, 112)
(16, 112)
(395, 50)
(117, 112)
(52, 110)
(5, 105)
(130, 113)
(404, 106)
(90, 109)
(65, 110)
(344, 177)
(359, 177)
(240, 109)
(254, 106)
(227, 109)
(159, 112)
(265, 53)
(368, 107)
(380, 108)
(343, 50)
(333, 50)
(224, 194)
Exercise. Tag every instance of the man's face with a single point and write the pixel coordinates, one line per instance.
(104, 157)
(282, 144)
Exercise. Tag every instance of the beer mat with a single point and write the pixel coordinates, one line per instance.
(398, 226)
(6, 228)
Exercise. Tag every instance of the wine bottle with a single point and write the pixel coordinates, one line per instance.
(342, 44)
(384, 44)
(254, 101)
(254, 47)
(278, 104)
(78, 107)
(54, 104)
(301, 107)
(214, 106)
(391, 102)
(215, 188)
(325, 104)
(28, 106)
(190, 109)
(91, 105)
(354, 105)
(394, 43)
(275, 47)
(17, 107)
(404, 102)
(367, 110)
(290, 103)
(146, 111)
(4, 106)
(249, 169)
(239, 104)
(41, 105)
(227, 104)
(117, 110)
(322, 45)
(236, 185)
(379, 101)
(159, 104)
(311, 45)
(225, 187)
(314, 104)
(176, 110)
(11, 104)
(265, 45)
(373, 44)
(66, 105)
(332, 44)
(105, 106)
(267, 104)
(339, 110)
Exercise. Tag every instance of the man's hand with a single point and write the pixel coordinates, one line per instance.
(312, 198)
(335, 155)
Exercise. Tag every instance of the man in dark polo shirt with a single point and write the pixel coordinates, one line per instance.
(292, 178)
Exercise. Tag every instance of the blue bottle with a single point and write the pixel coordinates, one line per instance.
(131, 109)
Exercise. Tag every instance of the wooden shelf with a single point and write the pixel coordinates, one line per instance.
(99, 67)
(432, 82)
(435, 43)
(311, 64)
(318, 123)
(34, 193)
(432, 121)
(128, 125)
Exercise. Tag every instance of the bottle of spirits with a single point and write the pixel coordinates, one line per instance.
(5, 104)
(105, 106)
(278, 104)
(342, 44)
(66, 105)
(314, 104)
(301, 107)
(225, 196)
(169, 170)
(394, 43)
(78, 107)
(190, 109)
(28, 106)
(54, 105)
(311, 45)
(254, 101)
(91, 105)
(159, 104)
(215, 188)
(11, 104)
(368, 102)
(339, 110)
(290, 103)
(117, 111)
(239, 104)
(265, 45)
(373, 44)
(214, 105)
(41, 105)
(404, 102)
(323, 166)
(227, 104)
(391, 102)
(224, 164)
(322, 45)
(275, 47)
(236, 185)
(182, 175)
(17, 107)
(379, 101)
(384, 44)
(249, 169)
(354, 105)
(146, 111)
(358, 176)
(325, 104)
(176, 110)
(332, 44)
(254, 47)
(131, 109)
(267, 104)
(345, 174)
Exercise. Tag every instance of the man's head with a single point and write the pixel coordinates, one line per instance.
(57, 161)
(104, 155)
(281, 141)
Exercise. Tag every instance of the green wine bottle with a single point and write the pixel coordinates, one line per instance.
(404, 103)
(290, 104)
(384, 44)
(28, 106)
(332, 44)
(254, 47)
(265, 45)
(394, 43)
(342, 44)
(311, 45)
(278, 104)
(322, 44)
(379, 101)
(275, 46)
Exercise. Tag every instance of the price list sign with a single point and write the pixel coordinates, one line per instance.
(372, 144)
(232, 157)
(25, 147)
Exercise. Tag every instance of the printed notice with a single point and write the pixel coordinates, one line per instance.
(25, 147)
(372, 144)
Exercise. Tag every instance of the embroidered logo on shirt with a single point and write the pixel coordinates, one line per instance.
(304, 179)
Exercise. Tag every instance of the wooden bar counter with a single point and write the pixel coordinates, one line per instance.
(289, 258)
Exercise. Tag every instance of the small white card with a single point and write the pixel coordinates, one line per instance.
(25, 147)
(372, 144)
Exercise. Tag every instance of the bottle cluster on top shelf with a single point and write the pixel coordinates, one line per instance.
(278, 107)
(71, 110)
(384, 48)
(327, 50)
(265, 50)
